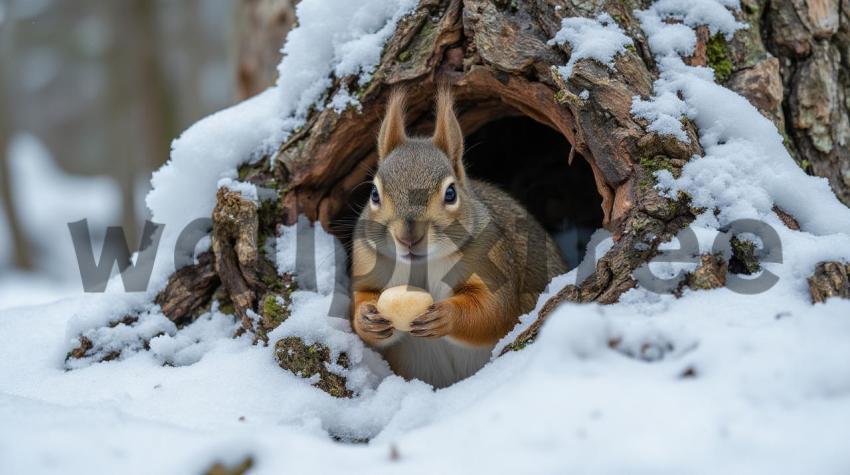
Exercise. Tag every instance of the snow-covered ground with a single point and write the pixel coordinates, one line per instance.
(769, 395)
(714, 381)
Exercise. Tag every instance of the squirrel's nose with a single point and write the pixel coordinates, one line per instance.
(412, 234)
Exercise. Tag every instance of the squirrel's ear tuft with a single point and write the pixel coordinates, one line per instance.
(448, 135)
(392, 132)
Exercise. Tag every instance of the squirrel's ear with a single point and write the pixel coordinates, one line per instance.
(392, 132)
(448, 135)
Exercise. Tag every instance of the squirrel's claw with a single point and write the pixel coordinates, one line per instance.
(434, 323)
(374, 324)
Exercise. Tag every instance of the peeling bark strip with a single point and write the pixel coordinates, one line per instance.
(189, 290)
(247, 275)
(711, 273)
(830, 279)
(234, 244)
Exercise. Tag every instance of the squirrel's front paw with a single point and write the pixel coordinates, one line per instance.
(372, 324)
(437, 321)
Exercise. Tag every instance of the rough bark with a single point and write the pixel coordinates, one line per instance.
(793, 64)
(830, 279)
(189, 289)
(711, 274)
(496, 56)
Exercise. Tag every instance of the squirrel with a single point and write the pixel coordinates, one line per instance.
(483, 258)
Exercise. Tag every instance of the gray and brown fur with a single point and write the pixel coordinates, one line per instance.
(413, 237)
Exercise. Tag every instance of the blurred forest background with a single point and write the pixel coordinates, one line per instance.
(92, 92)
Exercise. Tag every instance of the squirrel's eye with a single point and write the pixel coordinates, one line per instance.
(375, 197)
(451, 194)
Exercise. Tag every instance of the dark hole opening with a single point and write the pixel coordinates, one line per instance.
(529, 160)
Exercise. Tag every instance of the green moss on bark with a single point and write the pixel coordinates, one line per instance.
(308, 361)
(719, 57)
(744, 259)
(654, 164)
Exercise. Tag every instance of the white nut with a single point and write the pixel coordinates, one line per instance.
(402, 304)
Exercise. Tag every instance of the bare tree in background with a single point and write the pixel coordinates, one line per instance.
(22, 257)
(138, 97)
(106, 87)
(262, 26)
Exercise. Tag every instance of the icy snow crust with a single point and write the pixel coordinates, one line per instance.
(739, 383)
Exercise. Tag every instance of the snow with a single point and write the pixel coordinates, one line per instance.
(338, 37)
(195, 340)
(716, 14)
(714, 381)
(600, 39)
(40, 190)
(209, 151)
(245, 190)
(746, 168)
(768, 396)
(664, 113)
(324, 269)
(18, 289)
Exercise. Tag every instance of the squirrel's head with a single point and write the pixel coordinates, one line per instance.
(419, 192)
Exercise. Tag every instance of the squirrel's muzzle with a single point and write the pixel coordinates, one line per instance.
(412, 233)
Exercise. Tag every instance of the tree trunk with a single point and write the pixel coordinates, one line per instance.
(261, 27)
(794, 65)
(21, 256)
(496, 56)
(156, 104)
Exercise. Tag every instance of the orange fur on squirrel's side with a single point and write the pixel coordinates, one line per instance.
(481, 318)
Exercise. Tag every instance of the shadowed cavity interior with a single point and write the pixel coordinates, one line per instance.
(530, 161)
